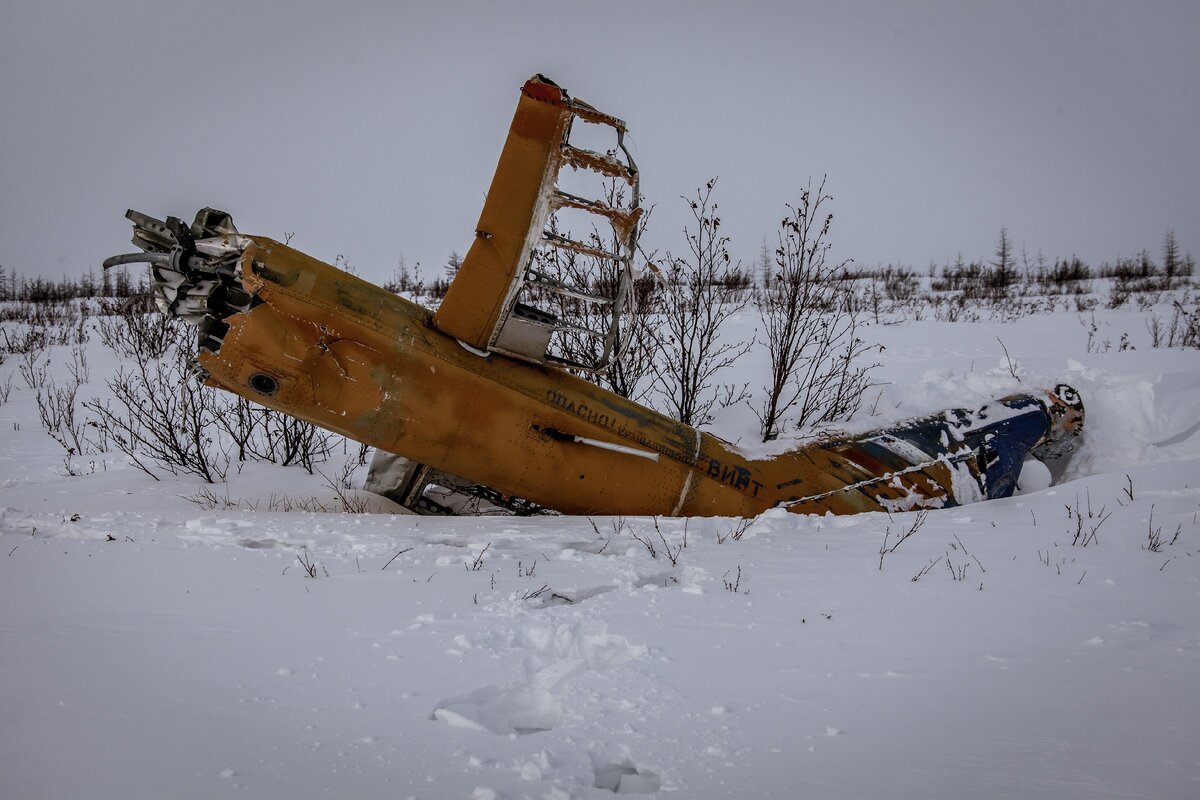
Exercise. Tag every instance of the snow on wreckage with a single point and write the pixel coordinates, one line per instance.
(479, 393)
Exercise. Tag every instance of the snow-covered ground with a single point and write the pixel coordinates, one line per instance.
(154, 647)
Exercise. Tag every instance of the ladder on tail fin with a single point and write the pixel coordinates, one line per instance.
(527, 288)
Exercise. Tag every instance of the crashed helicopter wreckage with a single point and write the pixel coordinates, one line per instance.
(478, 394)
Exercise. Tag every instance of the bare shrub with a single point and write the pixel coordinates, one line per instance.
(900, 284)
(811, 327)
(161, 421)
(1087, 523)
(287, 441)
(33, 369)
(736, 532)
(1183, 330)
(696, 305)
(29, 346)
(925, 570)
(734, 585)
(1118, 295)
(884, 550)
(958, 570)
(308, 565)
(131, 331)
(1154, 536)
(342, 486)
(240, 423)
(57, 317)
(477, 562)
(56, 407)
(208, 499)
(257, 433)
(1067, 276)
(646, 541)
(78, 368)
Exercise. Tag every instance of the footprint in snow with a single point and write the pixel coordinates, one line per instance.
(571, 597)
(533, 704)
(624, 777)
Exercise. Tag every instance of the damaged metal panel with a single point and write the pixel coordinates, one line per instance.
(455, 403)
(484, 306)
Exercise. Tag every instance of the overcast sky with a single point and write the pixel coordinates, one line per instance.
(371, 129)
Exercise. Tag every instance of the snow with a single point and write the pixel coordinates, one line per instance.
(155, 647)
